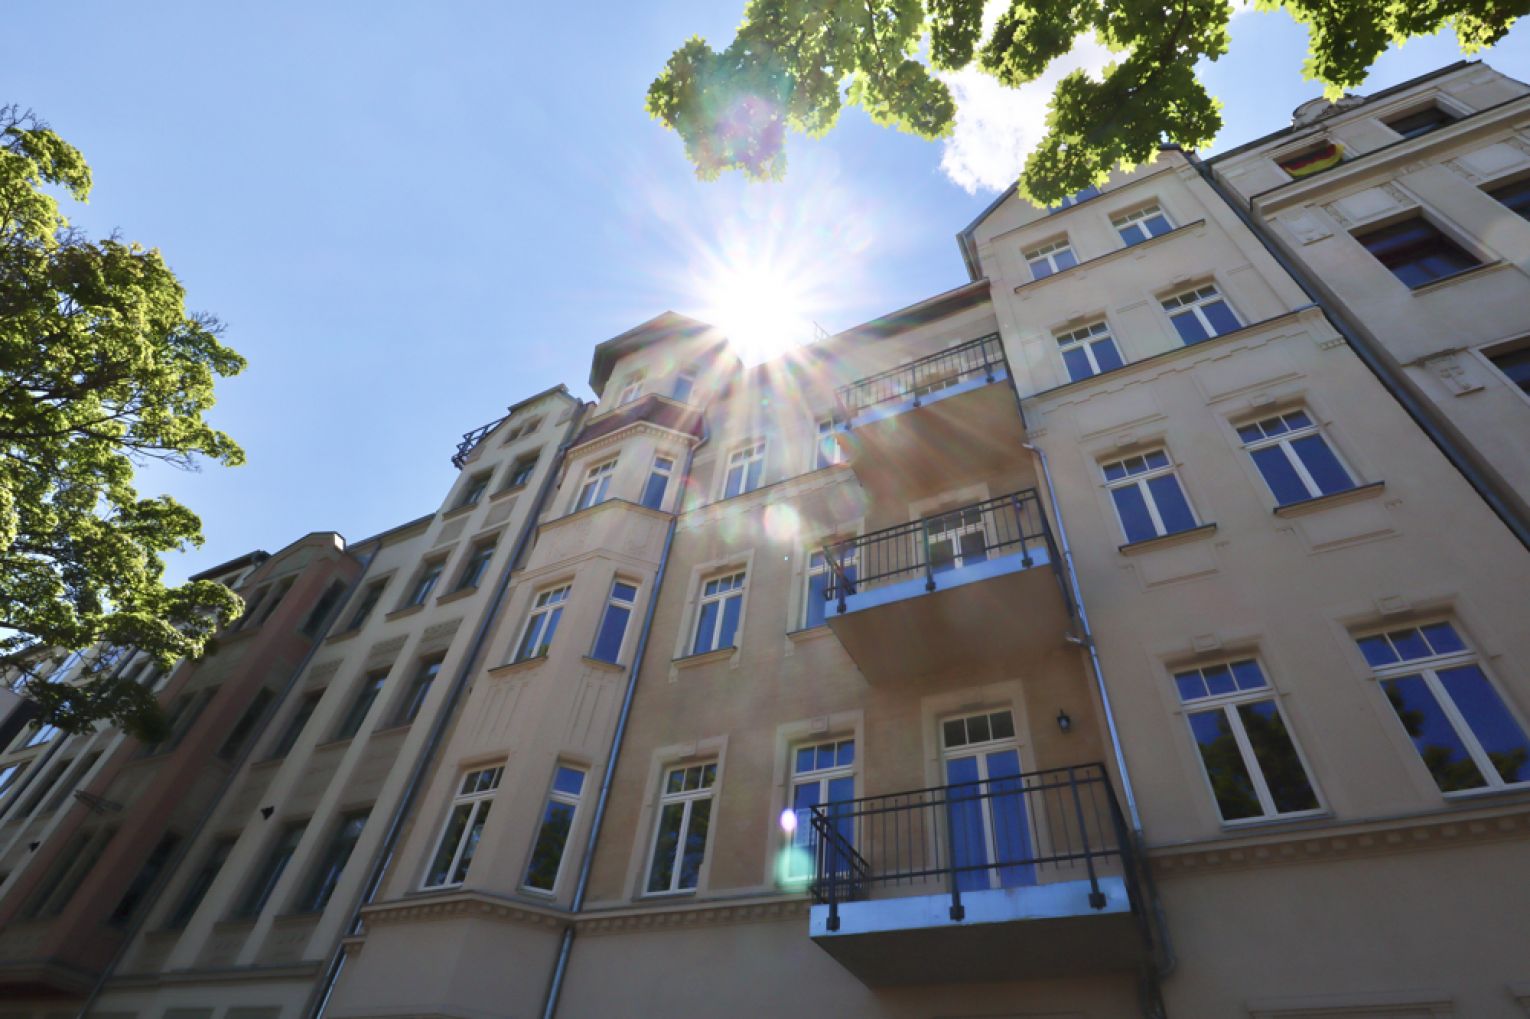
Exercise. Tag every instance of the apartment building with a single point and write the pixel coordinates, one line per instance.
(1119, 633)
(91, 824)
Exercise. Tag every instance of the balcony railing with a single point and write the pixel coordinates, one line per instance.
(927, 548)
(472, 439)
(1003, 833)
(924, 377)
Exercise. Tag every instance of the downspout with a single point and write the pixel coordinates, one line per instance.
(235, 767)
(318, 1001)
(1491, 489)
(586, 863)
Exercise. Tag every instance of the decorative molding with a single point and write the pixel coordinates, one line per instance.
(698, 914)
(462, 905)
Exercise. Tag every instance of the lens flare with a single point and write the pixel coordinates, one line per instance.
(789, 820)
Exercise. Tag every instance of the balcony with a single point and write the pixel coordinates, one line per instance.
(956, 590)
(923, 423)
(1010, 878)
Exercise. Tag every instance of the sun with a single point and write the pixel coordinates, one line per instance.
(764, 308)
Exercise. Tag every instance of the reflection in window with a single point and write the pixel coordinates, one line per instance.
(680, 837)
(1147, 495)
(1294, 458)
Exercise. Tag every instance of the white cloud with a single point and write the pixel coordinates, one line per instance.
(997, 126)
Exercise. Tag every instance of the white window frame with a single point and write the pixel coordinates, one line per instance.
(1193, 302)
(632, 388)
(655, 470)
(1084, 338)
(1284, 440)
(547, 604)
(1049, 253)
(826, 448)
(817, 569)
(690, 376)
(1428, 668)
(801, 839)
(436, 566)
(484, 548)
(1228, 704)
(42, 732)
(1122, 220)
(1140, 479)
(570, 800)
(706, 790)
(596, 486)
(476, 488)
(478, 800)
(746, 459)
(719, 597)
(615, 600)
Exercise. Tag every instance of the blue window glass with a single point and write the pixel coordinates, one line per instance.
(1219, 680)
(1410, 644)
(1376, 650)
(1189, 328)
(706, 627)
(1172, 507)
(653, 491)
(613, 627)
(1191, 686)
(1065, 259)
(1041, 269)
(729, 634)
(1221, 317)
(1106, 354)
(1443, 638)
(1282, 478)
(568, 780)
(1488, 717)
(1248, 675)
(1077, 362)
(1321, 464)
(1136, 522)
(1433, 736)
(1231, 785)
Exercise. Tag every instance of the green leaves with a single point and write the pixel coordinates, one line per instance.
(794, 63)
(101, 369)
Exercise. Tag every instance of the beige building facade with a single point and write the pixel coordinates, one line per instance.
(1119, 633)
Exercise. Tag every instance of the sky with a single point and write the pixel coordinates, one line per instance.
(409, 216)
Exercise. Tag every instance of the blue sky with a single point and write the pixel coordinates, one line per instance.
(412, 215)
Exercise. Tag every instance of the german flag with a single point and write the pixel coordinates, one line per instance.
(1313, 160)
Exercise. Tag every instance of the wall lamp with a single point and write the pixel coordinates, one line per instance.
(1064, 723)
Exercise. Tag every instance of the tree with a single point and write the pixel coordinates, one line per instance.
(101, 370)
(794, 63)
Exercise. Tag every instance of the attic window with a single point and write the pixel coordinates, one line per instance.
(1420, 122)
(1314, 159)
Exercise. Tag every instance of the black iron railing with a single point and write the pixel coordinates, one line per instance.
(973, 359)
(938, 544)
(471, 440)
(1042, 827)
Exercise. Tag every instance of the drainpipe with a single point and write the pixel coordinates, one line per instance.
(319, 1001)
(234, 770)
(1499, 497)
(566, 946)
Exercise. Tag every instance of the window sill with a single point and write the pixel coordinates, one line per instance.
(1267, 822)
(1467, 796)
(1445, 281)
(329, 744)
(407, 610)
(457, 595)
(505, 493)
(343, 635)
(1165, 540)
(721, 654)
(395, 727)
(1322, 502)
(603, 666)
(459, 511)
(809, 633)
(519, 665)
(1072, 269)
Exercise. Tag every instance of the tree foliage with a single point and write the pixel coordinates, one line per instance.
(794, 63)
(102, 369)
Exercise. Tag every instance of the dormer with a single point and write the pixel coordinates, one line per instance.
(673, 357)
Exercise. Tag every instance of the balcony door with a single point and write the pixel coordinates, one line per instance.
(957, 539)
(989, 834)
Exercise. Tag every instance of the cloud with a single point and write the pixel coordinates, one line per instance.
(997, 126)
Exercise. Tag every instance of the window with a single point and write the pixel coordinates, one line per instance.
(196, 890)
(251, 607)
(42, 733)
(986, 810)
(597, 482)
(1416, 251)
(827, 451)
(295, 725)
(1515, 196)
(1200, 314)
(276, 599)
(1314, 159)
(1294, 457)
(819, 576)
(552, 836)
(426, 582)
(1050, 258)
(477, 485)
(419, 689)
(144, 880)
(685, 382)
(1088, 351)
(183, 715)
(1464, 732)
(823, 775)
(1140, 224)
(1420, 122)
(321, 886)
(369, 600)
(632, 390)
(246, 724)
(1515, 364)
(542, 623)
(658, 482)
(371, 686)
(259, 892)
(1147, 496)
(464, 827)
(321, 608)
(64, 879)
(613, 624)
(73, 776)
(8, 774)
(722, 601)
(1252, 764)
(477, 563)
(523, 429)
(745, 466)
(680, 837)
(1074, 199)
(521, 472)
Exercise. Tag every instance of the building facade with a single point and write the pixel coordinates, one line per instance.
(1134, 630)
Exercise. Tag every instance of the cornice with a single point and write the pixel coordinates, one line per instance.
(620, 434)
(1270, 848)
(474, 904)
